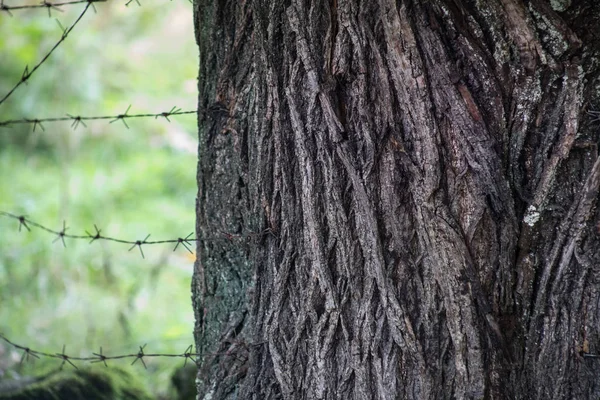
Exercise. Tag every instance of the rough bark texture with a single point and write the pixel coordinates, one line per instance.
(409, 192)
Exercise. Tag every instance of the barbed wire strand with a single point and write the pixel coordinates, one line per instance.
(215, 110)
(185, 242)
(46, 4)
(27, 73)
(79, 120)
(100, 357)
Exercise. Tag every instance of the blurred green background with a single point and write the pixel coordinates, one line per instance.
(129, 182)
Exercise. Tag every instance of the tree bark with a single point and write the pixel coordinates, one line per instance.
(402, 199)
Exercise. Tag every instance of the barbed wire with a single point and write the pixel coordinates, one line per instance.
(185, 242)
(47, 4)
(27, 73)
(215, 110)
(78, 119)
(100, 357)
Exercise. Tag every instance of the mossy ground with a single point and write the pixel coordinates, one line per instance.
(88, 384)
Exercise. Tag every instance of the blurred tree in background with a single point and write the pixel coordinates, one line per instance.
(128, 181)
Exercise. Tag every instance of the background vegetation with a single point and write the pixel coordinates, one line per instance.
(129, 182)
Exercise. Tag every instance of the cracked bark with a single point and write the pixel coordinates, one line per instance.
(412, 191)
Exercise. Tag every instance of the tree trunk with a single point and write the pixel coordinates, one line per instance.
(402, 199)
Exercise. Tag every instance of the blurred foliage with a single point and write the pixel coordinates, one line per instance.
(129, 182)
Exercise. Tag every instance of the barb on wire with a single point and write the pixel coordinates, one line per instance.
(27, 73)
(188, 355)
(95, 237)
(78, 119)
(122, 117)
(185, 242)
(51, 7)
(101, 358)
(62, 28)
(139, 244)
(48, 5)
(65, 358)
(140, 355)
(165, 115)
(23, 222)
(26, 353)
(61, 235)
